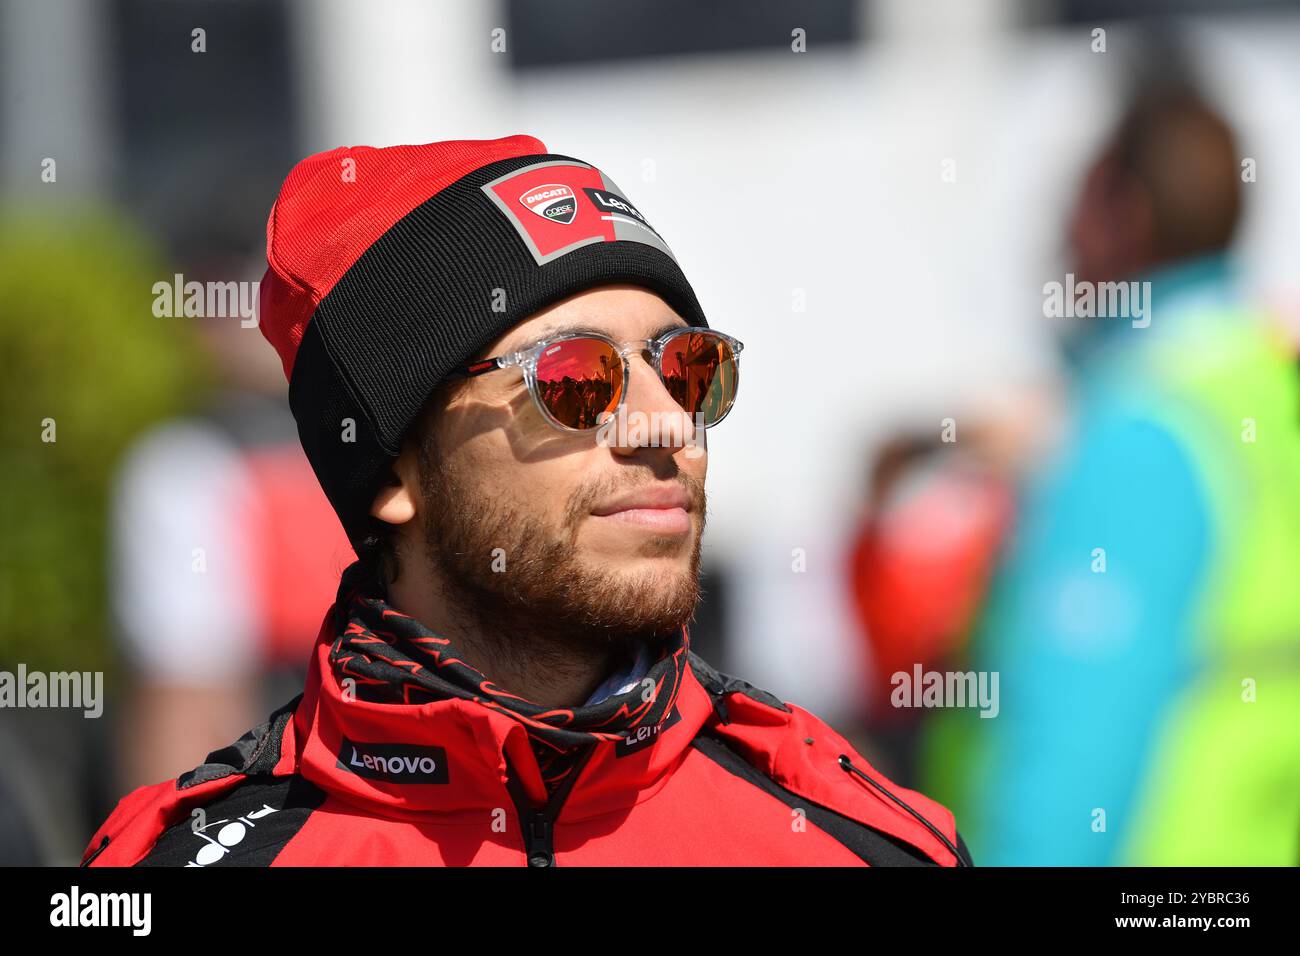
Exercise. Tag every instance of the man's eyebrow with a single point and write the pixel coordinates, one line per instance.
(668, 327)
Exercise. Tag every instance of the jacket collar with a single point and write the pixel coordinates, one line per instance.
(454, 756)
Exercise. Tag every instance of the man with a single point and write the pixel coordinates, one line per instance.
(506, 677)
(1145, 622)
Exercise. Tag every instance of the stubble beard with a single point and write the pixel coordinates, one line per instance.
(534, 601)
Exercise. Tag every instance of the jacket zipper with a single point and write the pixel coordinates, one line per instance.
(848, 766)
(538, 823)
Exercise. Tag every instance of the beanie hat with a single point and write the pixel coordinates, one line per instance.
(389, 268)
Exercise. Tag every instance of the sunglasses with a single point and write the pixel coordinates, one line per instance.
(578, 380)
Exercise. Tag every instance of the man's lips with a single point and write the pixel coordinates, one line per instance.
(663, 509)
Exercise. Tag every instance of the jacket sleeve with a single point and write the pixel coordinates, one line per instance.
(142, 816)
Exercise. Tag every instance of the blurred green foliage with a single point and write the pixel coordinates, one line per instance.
(79, 345)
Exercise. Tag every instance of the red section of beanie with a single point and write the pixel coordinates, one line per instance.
(330, 211)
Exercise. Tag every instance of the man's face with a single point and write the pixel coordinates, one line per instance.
(587, 537)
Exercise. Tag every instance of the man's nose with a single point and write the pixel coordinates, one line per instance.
(653, 418)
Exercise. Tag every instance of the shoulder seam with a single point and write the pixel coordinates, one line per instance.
(720, 685)
(260, 759)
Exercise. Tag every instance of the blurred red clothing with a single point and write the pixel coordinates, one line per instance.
(920, 565)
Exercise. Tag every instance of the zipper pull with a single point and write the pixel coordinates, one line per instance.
(103, 845)
(848, 766)
(539, 840)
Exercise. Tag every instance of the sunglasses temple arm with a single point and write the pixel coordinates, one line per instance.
(474, 369)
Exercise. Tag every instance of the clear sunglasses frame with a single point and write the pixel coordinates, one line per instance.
(528, 357)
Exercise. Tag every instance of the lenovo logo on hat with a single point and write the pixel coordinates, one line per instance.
(552, 202)
(394, 763)
(572, 205)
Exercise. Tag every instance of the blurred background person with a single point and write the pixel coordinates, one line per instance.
(224, 550)
(1146, 622)
(934, 521)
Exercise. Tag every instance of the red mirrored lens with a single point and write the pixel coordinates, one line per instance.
(699, 371)
(578, 379)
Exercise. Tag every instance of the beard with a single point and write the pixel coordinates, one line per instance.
(522, 581)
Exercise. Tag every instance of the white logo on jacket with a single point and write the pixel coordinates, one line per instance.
(230, 835)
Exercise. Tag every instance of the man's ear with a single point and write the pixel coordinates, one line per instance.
(395, 502)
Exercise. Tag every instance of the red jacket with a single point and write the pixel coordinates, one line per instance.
(732, 776)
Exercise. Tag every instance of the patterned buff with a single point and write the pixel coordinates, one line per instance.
(393, 658)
